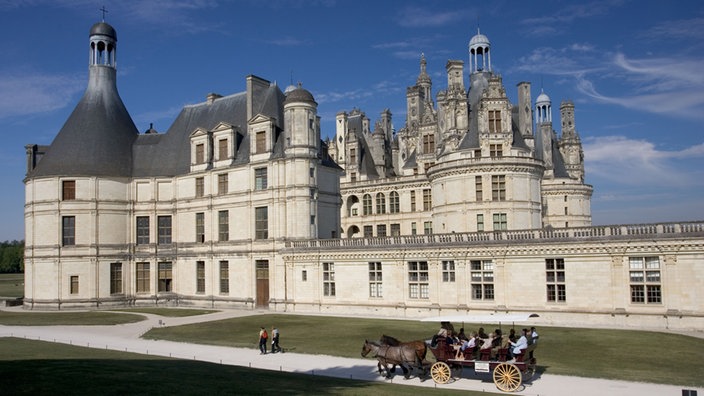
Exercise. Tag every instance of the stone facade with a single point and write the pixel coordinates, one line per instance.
(469, 163)
(239, 204)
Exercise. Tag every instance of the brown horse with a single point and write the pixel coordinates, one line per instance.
(420, 347)
(402, 355)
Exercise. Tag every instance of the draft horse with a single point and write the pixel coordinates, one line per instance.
(403, 355)
(420, 347)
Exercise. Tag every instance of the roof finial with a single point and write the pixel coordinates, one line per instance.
(105, 11)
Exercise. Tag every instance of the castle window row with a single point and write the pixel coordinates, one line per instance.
(644, 279)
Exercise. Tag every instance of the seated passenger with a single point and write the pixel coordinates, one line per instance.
(481, 334)
(522, 343)
(470, 344)
(461, 335)
(497, 343)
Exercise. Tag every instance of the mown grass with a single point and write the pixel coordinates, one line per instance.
(43, 368)
(89, 318)
(12, 285)
(598, 353)
(168, 312)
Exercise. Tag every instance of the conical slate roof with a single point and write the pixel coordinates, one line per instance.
(97, 138)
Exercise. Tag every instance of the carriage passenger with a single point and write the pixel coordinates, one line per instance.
(469, 343)
(522, 343)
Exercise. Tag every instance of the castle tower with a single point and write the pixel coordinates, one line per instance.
(543, 110)
(570, 143)
(424, 81)
(97, 138)
(301, 121)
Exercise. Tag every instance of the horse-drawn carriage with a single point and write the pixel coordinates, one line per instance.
(508, 374)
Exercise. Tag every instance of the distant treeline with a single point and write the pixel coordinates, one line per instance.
(11, 256)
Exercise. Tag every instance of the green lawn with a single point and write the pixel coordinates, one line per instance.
(43, 368)
(598, 353)
(11, 285)
(89, 318)
(168, 312)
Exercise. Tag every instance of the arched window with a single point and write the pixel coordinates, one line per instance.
(393, 202)
(367, 204)
(380, 203)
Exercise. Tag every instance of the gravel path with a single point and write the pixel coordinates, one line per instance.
(127, 338)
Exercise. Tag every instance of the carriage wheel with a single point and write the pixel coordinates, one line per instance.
(440, 372)
(507, 377)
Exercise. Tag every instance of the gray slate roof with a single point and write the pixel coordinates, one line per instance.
(97, 138)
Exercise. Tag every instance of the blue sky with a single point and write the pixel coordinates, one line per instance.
(634, 69)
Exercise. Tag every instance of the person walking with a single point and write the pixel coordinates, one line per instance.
(262, 340)
(275, 340)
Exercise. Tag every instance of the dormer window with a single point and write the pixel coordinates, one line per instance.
(222, 149)
(200, 153)
(261, 142)
(494, 121)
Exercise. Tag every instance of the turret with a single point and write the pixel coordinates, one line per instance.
(301, 123)
(479, 56)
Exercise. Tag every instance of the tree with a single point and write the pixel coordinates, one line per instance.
(12, 256)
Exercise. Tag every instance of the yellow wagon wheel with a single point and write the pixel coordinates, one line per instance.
(440, 372)
(507, 377)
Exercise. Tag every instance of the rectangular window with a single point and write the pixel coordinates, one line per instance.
(142, 278)
(200, 153)
(428, 144)
(68, 190)
(480, 222)
(555, 280)
(367, 204)
(380, 203)
(500, 222)
(494, 121)
(418, 286)
(381, 230)
(414, 229)
(427, 199)
(495, 150)
(115, 278)
(200, 187)
(498, 188)
(200, 227)
(74, 284)
(142, 230)
(353, 177)
(448, 271)
(394, 206)
(482, 279)
(261, 225)
(165, 276)
(222, 149)
(368, 231)
(261, 142)
(200, 277)
(395, 229)
(260, 179)
(222, 183)
(304, 276)
(223, 225)
(427, 227)
(224, 277)
(375, 280)
(413, 201)
(164, 225)
(478, 188)
(68, 230)
(353, 156)
(644, 274)
(329, 279)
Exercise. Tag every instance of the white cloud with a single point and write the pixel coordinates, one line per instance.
(25, 94)
(632, 162)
